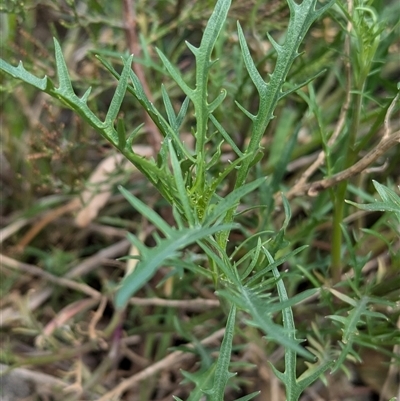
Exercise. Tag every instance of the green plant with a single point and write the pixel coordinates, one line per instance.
(390, 201)
(246, 277)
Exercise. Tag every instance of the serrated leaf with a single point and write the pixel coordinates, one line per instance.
(202, 381)
(258, 311)
(136, 89)
(353, 320)
(222, 374)
(156, 256)
(224, 264)
(214, 26)
(199, 94)
(301, 17)
(21, 73)
(312, 374)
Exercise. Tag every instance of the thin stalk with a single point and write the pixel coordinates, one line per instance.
(340, 194)
(202, 115)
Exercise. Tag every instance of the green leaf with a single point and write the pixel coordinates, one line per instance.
(255, 76)
(223, 262)
(202, 381)
(119, 93)
(182, 112)
(226, 136)
(312, 373)
(157, 256)
(188, 210)
(295, 88)
(258, 311)
(217, 101)
(249, 396)
(175, 74)
(391, 201)
(149, 213)
(136, 89)
(231, 199)
(349, 329)
(210, 35)
(222, 374)
(277, 262)
(19, 72)
(65, 85)
(301, 17)
(152, 258)
(169, 109)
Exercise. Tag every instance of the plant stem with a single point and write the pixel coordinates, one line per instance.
(340, 194)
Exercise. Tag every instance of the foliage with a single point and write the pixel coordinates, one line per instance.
(205, 191)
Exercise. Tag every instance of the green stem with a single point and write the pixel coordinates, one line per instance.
(202, 116)
(338, 212)
(340, 194)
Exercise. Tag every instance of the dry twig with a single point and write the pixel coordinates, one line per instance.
(187, 304)
(37, 271)
(166, 363)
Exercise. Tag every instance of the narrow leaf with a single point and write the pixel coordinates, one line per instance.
(182, 112)
(232, 199)
(213, 29)
(65, 85)
(222, 374)
(226, 136)
(188, 210)
(175, 74)
(155, 257)
(149, 213)
(255, 76)
(169, 109)
(217, 101)
(246, 112)
(119, 93)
